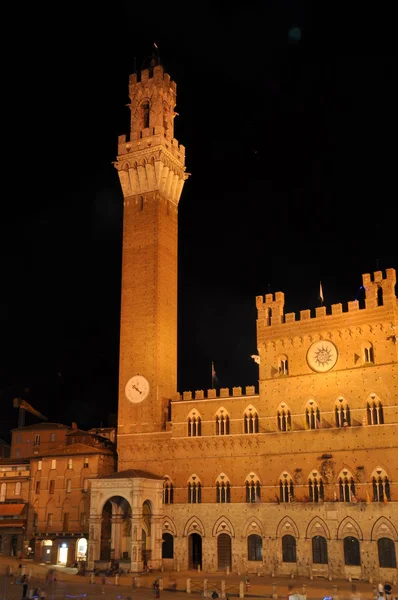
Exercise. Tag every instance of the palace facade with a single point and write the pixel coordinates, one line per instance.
(299, 478)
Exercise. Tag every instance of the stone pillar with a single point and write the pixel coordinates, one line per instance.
(137, 563)
(94, 540)
(116, 534)
(156, 542)
(71, 552)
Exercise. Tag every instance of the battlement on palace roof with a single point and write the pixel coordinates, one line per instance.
(379, 292)
(215, 394)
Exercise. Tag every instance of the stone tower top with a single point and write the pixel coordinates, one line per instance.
(153, 99)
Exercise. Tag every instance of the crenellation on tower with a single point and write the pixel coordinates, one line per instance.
(379, 290)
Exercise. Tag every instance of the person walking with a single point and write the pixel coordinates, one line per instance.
(24, 587)
(43, 594)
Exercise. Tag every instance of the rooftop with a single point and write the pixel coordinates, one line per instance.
(131, 474)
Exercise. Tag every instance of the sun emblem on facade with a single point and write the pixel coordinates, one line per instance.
(322, 356)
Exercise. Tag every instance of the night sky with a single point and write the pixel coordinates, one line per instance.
(289, 120)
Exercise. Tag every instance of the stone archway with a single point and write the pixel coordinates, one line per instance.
(115, 529)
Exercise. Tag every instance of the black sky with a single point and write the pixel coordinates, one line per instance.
(292, 148)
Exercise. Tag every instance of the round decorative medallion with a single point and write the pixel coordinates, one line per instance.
(322, 356)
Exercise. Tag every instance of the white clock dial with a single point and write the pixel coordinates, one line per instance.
(137, 389)
(322, 356)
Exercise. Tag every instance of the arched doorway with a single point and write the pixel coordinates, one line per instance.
(224, 551)
(115, 529)
(195, 551)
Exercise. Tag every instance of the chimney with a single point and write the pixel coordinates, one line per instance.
(74, 425)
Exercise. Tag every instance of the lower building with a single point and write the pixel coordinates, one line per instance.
(14, 497)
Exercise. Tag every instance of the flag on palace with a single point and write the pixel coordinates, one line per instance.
(321, 292)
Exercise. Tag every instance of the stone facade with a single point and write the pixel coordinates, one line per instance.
(14, 497)
(300, 477)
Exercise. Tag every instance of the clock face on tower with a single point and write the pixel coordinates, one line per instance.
(137, 389)
(322, 356)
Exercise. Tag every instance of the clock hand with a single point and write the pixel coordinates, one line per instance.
(136, 388)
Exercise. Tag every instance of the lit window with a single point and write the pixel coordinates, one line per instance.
(17, 489)
(53, 463)
(3, 492)
(68, 486)
(39, 465)
(86, 461)
(70, 462)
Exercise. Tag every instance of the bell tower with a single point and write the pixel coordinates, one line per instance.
(151, 168)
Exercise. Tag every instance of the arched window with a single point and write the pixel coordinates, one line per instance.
(168, 492)
(386, 549)
(222, 422)
(312, 416)
(315, 487)
(167, 546)
(342, 413)
(283, 365)
(194, 490)
(223, 490)
(3, 492)
(368, 353)
(288, 549)
(381, 486)
(254, 547)
(17, 489)
(286, 488)
(346, 487)
(253, 488)
(194, 424)
(145, 115)
(250, 420)
(319, 550)
(284, 418)
(352, 555)
(374, 411)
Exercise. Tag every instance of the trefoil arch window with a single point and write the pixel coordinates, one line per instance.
(312, 416)
(381, 486)
(284, 418)
(253, 488)
(315, 487)
(223, 490)
(346, 487)
(168, 492)
(286, 488)
(194, 490)
(342, 413)
(250, 420)
(374, 411)
(222, 422)
(194, 424)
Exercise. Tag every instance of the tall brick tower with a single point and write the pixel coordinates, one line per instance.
(152, 173)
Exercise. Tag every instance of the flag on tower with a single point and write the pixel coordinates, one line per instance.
(213, 375)
(321, 292)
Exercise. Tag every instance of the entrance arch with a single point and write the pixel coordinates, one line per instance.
(224, 551)
(195, 551)
(115, 529)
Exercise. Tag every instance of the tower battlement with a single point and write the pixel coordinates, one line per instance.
(379, 291)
